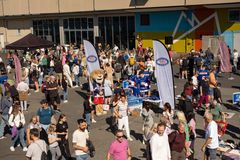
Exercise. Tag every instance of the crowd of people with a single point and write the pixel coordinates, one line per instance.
(55, 71)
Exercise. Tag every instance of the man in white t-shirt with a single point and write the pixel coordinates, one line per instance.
(159, 144)
(80, 136)
(211, 133)
(36, 148)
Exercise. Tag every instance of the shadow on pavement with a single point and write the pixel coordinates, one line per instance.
(137, 136)
(231, 106)
(200, 133)
(82, 94)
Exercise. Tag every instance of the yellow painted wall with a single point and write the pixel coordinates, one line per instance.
(225, 24)
(184, 45)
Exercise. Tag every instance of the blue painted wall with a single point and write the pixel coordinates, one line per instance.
(163, 22)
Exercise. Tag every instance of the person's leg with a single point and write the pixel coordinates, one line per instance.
(21, 104)
(53, 152)
(120, 123)
(58, 153)
(21, 136)
(36, 85)
(14, 139)
(69, 80)
(212, 154)
(2, 126)
(25, 105)
(126, 126)
(87, 116)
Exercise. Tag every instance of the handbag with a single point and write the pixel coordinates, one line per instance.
(14, 130)
(98, 100)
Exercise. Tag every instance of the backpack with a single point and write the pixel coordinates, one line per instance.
(131, 61)
(43, 154)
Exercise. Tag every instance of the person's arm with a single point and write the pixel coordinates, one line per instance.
(108, 156)
(208, 141)
(51, 140)
(28, 136)
(77, 147)
(129, 154)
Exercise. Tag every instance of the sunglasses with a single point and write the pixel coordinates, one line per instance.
(119, 136)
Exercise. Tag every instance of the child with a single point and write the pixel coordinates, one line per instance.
(53, 142)
(168, 116)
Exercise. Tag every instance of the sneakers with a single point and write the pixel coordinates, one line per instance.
(76, 86)
(12, 149)
(3, 137)
(93, 121)
(36, 91)
(25, 149)
(130, 139)
(65, 101)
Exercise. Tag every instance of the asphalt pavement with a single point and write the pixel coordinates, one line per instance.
(102, 136)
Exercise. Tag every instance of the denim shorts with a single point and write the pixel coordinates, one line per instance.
(210, 91)
(211, 153)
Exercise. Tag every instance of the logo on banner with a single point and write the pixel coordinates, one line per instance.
(91, 58)
(162, 61)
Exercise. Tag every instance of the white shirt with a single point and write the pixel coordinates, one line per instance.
(66, 69)
(16, 119)
(22, 86)
(235, 56)
(160, 149)
(75, 70)
(212, 132)
(80, 138)
(195, 82)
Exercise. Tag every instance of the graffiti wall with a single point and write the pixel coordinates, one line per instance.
(187, 27)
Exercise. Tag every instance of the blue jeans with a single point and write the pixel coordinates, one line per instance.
(211, 153)
(45, 127)
(76, 79)
(87, 117)
(82, 157)
(3, 123)
(65, 94)
(20, 135)
(40, 80)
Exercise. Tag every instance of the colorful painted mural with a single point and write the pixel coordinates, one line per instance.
(187, 27)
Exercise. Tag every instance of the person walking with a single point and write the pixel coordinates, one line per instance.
(37, 146)
(159, 144)
(122, 115)
(67, 73)
(62, 132)
(23, 89)
(177, 141)
(53, 142)
(17, 121)
(211, 134)
(44, 115)
(6, 103)
(119, 148)
(79, 140)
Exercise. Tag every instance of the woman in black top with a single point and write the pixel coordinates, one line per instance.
(62, 132)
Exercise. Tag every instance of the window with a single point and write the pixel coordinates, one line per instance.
(234, 15)
(119, 30)
(78, 29)
(144, 19)
(48, 29)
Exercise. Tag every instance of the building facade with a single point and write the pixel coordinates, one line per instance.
(183, 24)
